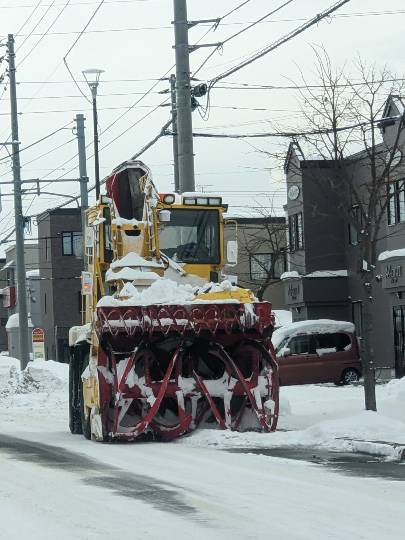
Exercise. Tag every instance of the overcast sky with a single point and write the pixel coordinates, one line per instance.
(132, 41)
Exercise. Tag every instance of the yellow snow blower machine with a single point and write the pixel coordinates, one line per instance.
(166, 347)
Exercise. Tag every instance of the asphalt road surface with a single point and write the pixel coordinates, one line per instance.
(56, 486)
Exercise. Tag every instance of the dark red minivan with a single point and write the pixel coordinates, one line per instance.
(317, 351)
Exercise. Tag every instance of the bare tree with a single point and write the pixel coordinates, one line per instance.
(264, 249)
(343, 123)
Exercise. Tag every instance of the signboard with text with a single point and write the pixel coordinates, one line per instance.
(393, 274)
(87, 283)
(38, 343)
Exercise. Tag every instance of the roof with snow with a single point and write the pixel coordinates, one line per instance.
(391, 254)
(13, 322)
(315, 326)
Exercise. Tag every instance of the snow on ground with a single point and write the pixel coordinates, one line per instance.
(316, 416)
(329, 417)
(41, 390)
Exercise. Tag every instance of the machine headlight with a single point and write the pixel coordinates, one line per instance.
(189, 200)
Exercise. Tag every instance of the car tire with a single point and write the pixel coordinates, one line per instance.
(349, 376)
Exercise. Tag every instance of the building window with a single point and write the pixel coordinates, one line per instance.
(260, 265)
(355, 225)
(72, 243)
(264, 265)
(396, 202)
(296, 232)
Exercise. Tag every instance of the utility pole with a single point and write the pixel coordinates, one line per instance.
(84, 198)
(96, 154)
(18, 214)
(92, 77)
(183, 90)
(174, 129)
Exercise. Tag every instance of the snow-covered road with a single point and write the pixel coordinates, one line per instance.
(54, 485)
(65, 487)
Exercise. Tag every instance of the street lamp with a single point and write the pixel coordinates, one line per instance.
(92, 77)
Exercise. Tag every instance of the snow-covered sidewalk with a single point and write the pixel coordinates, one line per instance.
(323, 416)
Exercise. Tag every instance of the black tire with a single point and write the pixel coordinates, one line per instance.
(349, 376)
(85, 421)
(75, 420)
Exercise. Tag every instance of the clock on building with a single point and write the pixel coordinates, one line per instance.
(293, 192)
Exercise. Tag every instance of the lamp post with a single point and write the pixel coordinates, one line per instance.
(92, 77)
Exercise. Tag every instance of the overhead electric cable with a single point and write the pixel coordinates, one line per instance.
(220, 45)
(28, 18)
(290, 134)
(45, 33)
(36, 25)
(39, 140)
(315, 20)
(74, 45)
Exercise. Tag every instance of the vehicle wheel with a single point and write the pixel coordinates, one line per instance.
(85, 420)
(350, 376)
(75, 421)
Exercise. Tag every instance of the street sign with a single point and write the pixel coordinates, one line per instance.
(38, 343)
(87, 283)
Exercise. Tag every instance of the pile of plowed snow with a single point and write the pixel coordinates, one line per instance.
(41, 382)
(326, 417)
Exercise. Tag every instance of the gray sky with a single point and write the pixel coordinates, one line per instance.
(132, 41)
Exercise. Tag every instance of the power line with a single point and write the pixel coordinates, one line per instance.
(315, 20)
(46, 32)
(28, 18)
(36, 25)
(290, 134)
(74, 4)
(236, 23)
(220, 45)
(74, 45)
(43, 155)
(74, 96)
(39, 140)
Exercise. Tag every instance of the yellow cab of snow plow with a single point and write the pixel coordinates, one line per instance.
(138, 240)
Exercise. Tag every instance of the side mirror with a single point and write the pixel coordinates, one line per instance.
(287, 352)
(232, 252)
(164, 216)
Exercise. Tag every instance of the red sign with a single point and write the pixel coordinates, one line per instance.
(38, 335)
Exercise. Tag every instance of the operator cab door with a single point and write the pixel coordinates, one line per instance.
(302, 364)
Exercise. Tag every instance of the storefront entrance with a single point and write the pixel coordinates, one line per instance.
(399, 340)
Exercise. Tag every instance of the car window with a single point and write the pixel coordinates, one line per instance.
(328, 343)
(300, 344)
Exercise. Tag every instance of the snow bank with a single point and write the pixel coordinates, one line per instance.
(39, 385)
(326, 417)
